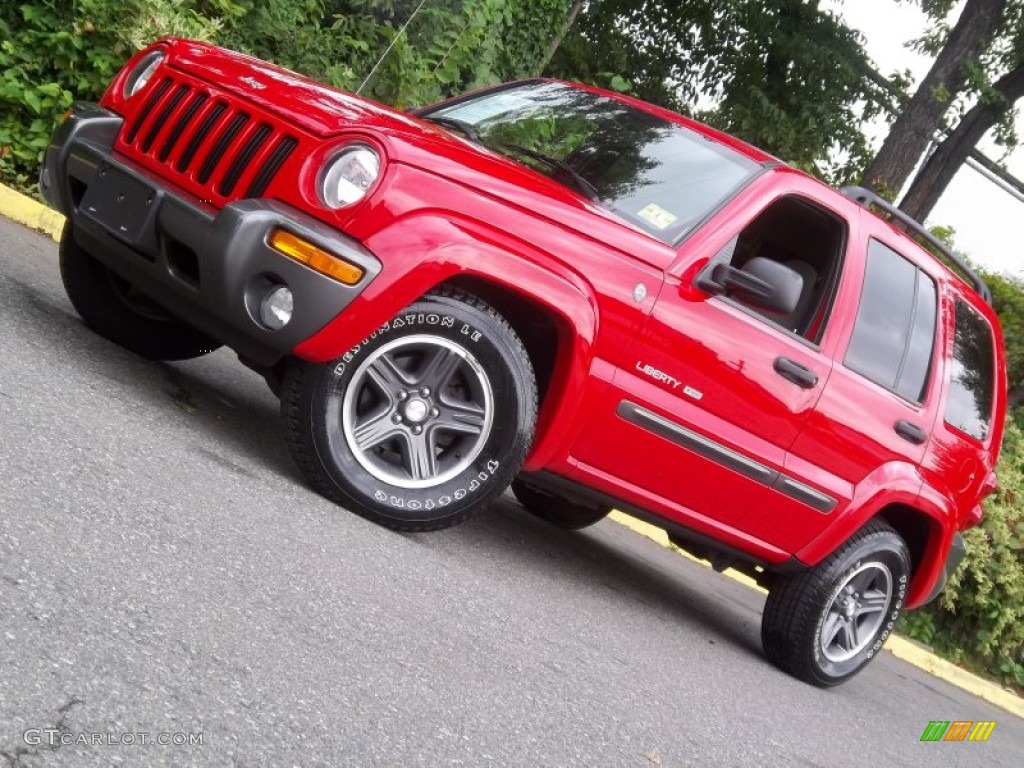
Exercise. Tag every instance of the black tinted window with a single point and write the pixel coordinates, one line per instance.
(913, 377)
(972, 383)
(894, 334)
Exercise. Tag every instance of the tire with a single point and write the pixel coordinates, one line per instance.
(422, 424)
(807, 629)
(558, 510)
(111, 307)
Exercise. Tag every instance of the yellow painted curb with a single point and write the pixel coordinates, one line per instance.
(899, 647)
(34, 214)
(29, 212)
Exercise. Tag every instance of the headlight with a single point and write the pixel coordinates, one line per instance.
(349, 175)
(143, 71)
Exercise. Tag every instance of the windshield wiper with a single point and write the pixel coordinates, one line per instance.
(462, 126)
(582, 184)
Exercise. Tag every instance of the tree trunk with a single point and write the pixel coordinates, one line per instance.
(570, 19)
(911, 132)
(939, 169)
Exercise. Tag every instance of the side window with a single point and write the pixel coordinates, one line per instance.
(972, 383)
(806, 239)
(894, 335)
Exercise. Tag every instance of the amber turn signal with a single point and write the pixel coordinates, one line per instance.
(314, 257)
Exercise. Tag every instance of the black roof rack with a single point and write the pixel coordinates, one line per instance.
(867, 198)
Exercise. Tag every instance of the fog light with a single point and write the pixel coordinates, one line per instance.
(276, 307)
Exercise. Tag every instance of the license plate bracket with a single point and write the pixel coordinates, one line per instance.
(119, 202)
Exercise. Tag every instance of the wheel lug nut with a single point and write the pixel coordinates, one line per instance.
(434, 413)
(417, 429)
(402, 394)
(397, 419)
(425, 392)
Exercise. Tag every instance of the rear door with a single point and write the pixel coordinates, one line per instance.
(880, 404)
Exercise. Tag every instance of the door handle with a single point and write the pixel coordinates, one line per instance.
(792, 371)
(910, 432)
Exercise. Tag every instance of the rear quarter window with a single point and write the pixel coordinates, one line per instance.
(894, 334)
(972, 379)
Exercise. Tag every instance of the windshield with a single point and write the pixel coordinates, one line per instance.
(661, 177)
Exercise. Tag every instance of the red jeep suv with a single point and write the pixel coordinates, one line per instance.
(597, 301)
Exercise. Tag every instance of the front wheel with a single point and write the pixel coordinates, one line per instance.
(423, 423)
(825, 624)
(118, 311)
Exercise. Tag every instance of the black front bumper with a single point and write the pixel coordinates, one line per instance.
(210, 268)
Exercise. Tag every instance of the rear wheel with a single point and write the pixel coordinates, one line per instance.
(825, 624)
(558, 510)
(422, 424)
(116, 310)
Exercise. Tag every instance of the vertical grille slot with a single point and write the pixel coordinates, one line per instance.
(208, 142)
(220, 147)
(181, 125)
(270, 168)
(147, 107)
(243, 158)
(200, 135)
(165, 113)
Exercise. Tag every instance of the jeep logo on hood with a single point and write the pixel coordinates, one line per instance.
(252, 82)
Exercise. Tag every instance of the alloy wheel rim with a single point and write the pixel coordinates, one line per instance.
(856, 612)
(417, 411)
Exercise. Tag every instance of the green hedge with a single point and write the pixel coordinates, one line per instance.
(979, 618)
(55, 51)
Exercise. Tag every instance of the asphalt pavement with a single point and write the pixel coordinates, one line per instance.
(165, 575)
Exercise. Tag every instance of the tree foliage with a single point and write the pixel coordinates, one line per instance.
(979, 618)
(447, 46)
(53, 51)
(786, 75)
(1008, 302)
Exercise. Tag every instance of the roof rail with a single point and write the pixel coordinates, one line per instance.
(867, 198)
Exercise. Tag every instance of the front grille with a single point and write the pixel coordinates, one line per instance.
(270, 168)
(182, 123)
(206, 141)
(243, 158)
(224, 140)
(200, 135)
(151, 101)
(165, 112)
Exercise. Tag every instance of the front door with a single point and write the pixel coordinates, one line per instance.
(716, 391)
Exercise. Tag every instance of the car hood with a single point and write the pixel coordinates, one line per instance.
(315, 107)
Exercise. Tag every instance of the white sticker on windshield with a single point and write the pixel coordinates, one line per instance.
(658, 216)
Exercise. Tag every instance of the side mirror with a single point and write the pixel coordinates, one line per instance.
(762, 283)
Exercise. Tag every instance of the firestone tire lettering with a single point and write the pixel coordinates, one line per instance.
(313, 401)
(798, 607)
